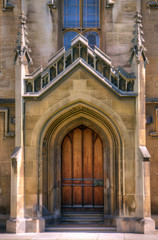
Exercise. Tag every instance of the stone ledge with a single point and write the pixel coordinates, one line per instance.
(152, 5)
(135, 225)
(154, 134)
(25, 225)
(110, 3)
(51, 4)
(7, 6)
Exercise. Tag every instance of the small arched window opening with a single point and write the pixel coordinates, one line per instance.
(93, 39)
(68, 36)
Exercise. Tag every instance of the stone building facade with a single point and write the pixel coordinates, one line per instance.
(79, 124)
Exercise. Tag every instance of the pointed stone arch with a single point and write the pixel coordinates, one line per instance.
(111, 130)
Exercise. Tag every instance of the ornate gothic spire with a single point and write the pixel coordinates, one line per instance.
(22, 48)
(138, 41)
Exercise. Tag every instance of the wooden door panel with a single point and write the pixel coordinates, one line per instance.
(98, 156)
(87, 166)
(66, 195)
(77, 196)
(66, 172)
(98, 196)
(66, 158)
(87, 153)
(77, 153)
(88, 195)
(82, 170)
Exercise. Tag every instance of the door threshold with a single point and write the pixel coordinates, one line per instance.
(79, 228)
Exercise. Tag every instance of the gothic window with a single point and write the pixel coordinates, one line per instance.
(79, 16)
(71, 13)
(90, 13)
(68, 36)
(93, 39)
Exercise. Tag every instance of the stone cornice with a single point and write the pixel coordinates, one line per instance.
(79, 63)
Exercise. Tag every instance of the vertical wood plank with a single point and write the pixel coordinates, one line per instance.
(98, 171)
(98, 159)
(66, 158)
(77, 153)
(98, 196)
(87, 166)
(82, 162)
(77, 166)
(87, 153)
(66, 171)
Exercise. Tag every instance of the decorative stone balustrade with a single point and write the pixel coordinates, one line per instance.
(79, 53)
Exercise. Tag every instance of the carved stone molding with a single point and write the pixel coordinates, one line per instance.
(51, 4)
(7, 5)
(153, 4)
(145, 153)
(109, 3)
(22, 44)
(138, 48)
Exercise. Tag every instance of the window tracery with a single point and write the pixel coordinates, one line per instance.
(81, 16)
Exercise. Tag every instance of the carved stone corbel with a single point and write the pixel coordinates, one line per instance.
(153, 4)
(109, 3)
(51, 4)
(7, 5)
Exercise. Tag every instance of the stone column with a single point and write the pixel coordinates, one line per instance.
(141, 222)
(17, 222)
(145, 224)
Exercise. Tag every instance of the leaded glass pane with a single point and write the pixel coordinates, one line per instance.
(90, 13)
(71, 13)
(67, 39)
(93, 39)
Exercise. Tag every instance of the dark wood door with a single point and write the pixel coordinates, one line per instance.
(82, 171)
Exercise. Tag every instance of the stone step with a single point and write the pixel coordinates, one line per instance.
(79, 229)
(82, 214)
(82, 217)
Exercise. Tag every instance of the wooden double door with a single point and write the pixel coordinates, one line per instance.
(82, 171)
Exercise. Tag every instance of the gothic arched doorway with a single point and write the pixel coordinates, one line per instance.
(96, 192)
(82, 178)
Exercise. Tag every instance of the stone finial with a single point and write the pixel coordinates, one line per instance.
(22, 48)
(138, 41)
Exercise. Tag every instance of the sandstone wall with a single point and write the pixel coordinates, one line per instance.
(80, 86)
(8, 35)
(45, 29)
(150, 28)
